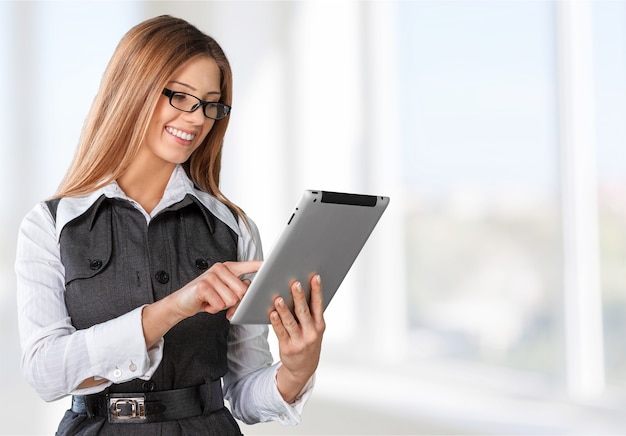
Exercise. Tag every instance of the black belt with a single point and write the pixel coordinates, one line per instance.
(137, 408)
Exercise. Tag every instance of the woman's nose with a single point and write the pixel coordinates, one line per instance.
(196, 117)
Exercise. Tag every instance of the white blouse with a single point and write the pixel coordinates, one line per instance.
(56, 357)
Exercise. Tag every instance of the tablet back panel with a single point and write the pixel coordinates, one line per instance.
(324, 235)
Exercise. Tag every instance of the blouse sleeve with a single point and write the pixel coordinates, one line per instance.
(250, 384)
(56, 357)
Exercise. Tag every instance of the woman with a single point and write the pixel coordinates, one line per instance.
(128, 276)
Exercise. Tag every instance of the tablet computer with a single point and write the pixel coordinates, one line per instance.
(324, 235)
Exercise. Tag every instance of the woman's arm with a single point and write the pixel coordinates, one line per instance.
(219, 288)
(57, 359)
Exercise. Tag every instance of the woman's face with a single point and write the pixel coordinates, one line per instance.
(173, 135)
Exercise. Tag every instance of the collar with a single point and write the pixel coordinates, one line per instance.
(178, 187)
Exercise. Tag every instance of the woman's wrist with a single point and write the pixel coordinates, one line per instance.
(158, 318)
(290, 385)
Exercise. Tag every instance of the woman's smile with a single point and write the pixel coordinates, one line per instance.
(180, 134)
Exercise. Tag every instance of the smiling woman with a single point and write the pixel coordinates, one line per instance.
(139, 243)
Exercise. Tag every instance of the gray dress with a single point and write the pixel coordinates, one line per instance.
(115, 262)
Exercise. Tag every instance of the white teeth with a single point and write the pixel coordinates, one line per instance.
(182, 135)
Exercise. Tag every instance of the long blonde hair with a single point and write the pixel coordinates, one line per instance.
(143, 62)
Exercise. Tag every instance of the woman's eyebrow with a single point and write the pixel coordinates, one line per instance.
(194, 89)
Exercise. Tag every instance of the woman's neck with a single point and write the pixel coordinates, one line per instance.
(146, 183)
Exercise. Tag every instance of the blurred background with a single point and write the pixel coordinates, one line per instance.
(491, 299)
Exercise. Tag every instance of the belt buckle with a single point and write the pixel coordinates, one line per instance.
(127, 409)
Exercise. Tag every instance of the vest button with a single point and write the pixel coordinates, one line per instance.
(147, 386)
(95, 264)
(162, 277)
(202, 264)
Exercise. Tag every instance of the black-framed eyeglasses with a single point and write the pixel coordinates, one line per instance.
(189, 103)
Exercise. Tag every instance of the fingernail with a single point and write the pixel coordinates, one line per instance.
(318, 279)
(281, 302)
(298, 287)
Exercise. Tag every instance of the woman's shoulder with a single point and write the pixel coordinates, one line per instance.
(53, 213)
(40, 213)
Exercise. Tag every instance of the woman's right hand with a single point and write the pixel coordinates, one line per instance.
(219, 288)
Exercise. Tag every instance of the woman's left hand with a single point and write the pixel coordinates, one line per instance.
(299, 337)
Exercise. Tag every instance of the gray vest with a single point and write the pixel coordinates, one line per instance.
(115, 262)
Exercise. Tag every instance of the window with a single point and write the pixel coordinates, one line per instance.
(480, 141)
(610, 86)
